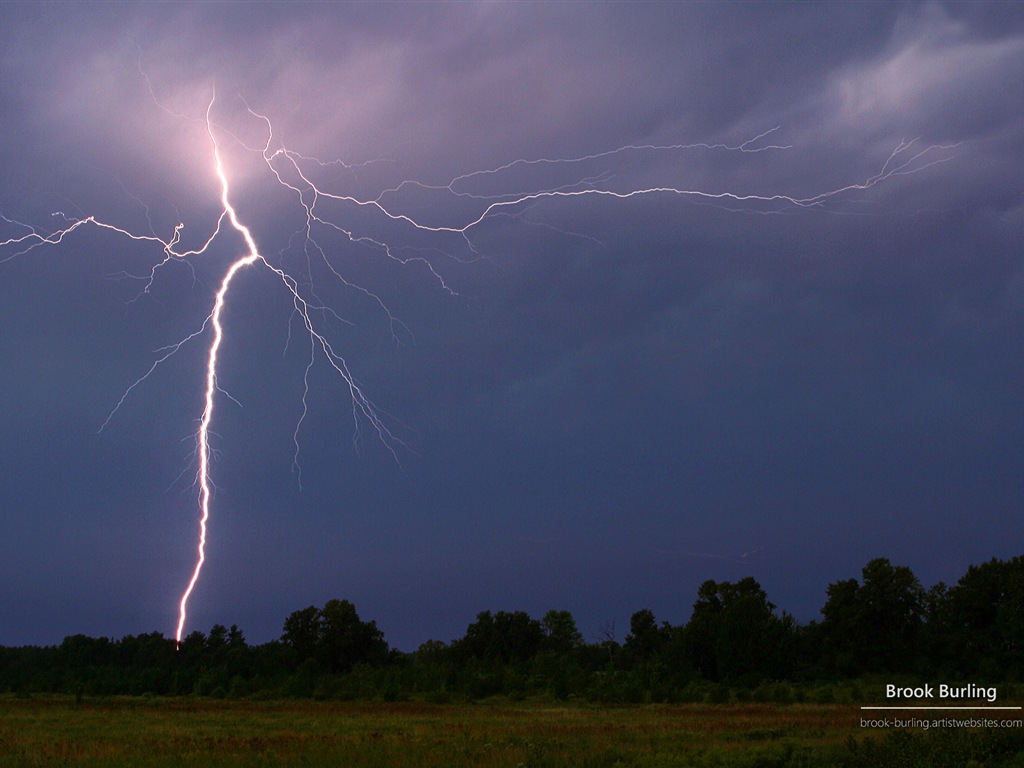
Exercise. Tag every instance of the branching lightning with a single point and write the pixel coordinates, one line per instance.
(295, 173)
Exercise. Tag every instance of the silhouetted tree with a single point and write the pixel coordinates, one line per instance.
(302, 632)
(607, 642)
(753, 643)
(839, 628)
(875, 626)
(982, 619)
(645, 638)
(334, 637)
(734, 635)
(504, 637)
(80, 651)
(701, 633)
(345, 640)
(561, 635)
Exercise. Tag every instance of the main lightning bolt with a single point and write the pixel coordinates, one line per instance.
(211, 368)
(295, 173)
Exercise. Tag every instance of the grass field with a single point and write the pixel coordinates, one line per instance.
(196, 732)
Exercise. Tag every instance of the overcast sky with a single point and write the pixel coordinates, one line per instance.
(598, 402)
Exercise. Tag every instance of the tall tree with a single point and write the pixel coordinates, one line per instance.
(334, 636)
(302, 631)
(701, 632)
(345, 640)
(734, 635)
(561, 635)
(504, 636)
(753, 643)
(875, 626)
(645, 638)
(983, 619)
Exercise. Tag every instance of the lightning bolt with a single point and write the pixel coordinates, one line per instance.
(295, 172)
(252, 256)
(211, 367)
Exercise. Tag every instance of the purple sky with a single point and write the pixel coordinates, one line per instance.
(605, 401)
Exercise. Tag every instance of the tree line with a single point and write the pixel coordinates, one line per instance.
(734, 641)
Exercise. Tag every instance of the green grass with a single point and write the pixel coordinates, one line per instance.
(201, 732)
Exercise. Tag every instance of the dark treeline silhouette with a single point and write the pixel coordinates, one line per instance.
(735, 644)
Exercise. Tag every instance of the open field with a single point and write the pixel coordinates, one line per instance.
(158, 732)
(199, 732)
